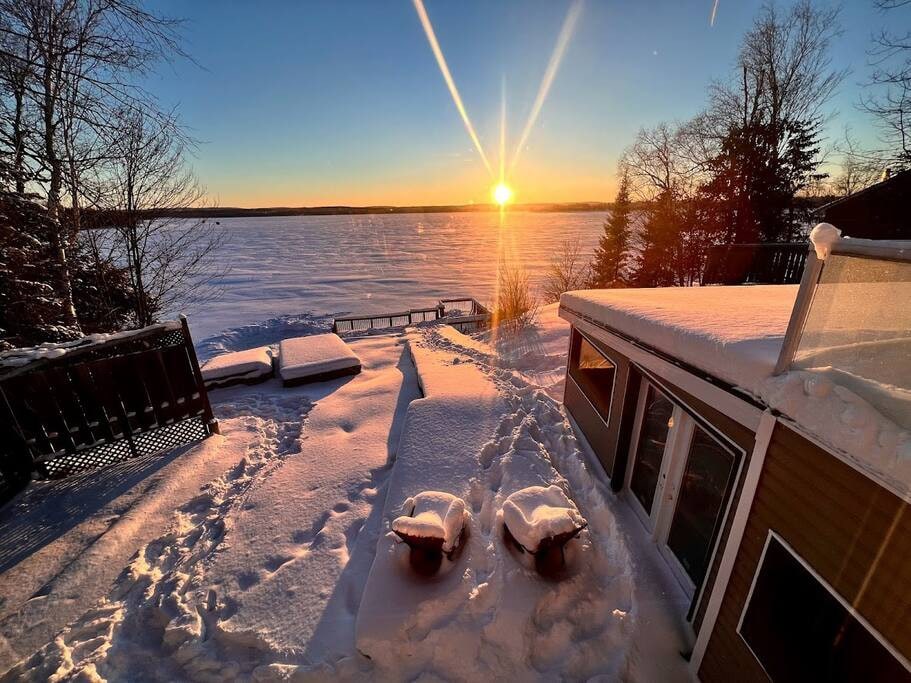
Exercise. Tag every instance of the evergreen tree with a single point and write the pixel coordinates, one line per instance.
(656, 262)
(612, 253)
(31, 309)
(755, 179)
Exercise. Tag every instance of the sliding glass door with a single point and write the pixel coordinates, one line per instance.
(680, 477)
(701, 499)
(656, 420)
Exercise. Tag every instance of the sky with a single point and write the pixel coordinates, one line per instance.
(341, 102)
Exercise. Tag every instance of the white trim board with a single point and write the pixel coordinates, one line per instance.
(735, 536)
(737, 409)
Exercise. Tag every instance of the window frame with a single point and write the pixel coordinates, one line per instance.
(572, 358)
(857, 616)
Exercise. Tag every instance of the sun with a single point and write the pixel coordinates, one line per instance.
(502, 194)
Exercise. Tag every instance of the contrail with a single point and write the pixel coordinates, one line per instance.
(714, 12)
(566, 32)
(444, 69)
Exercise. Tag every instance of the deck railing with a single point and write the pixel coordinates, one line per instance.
(770, 263)
(456, 312)
(98, 401)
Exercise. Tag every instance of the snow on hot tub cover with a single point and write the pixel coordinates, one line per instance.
(305, 356)
(247, 364)
(733, 333)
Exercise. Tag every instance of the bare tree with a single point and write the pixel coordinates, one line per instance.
(170, 260)
(859, 168)
(784, 71)
(569, 269)
(85, 53)
(890, 98)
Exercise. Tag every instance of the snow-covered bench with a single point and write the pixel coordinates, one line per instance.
(240, 367)
(315, 358)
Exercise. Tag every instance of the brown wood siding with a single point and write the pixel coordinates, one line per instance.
(855, 534)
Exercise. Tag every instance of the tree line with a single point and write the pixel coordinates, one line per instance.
(744, 170)
(89, 160)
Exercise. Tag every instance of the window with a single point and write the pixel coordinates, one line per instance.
(800, 630)
(700, 503)
(593, 372)
(657, 420)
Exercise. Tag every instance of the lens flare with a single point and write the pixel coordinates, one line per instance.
(566, 32)
(501, 194)
(450, 83)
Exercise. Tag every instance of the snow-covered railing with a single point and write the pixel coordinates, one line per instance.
(94, 401)
(844, 369)
(464, 311)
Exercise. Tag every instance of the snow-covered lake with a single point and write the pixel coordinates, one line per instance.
(332, 265)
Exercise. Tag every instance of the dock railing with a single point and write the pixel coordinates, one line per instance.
(464, 313)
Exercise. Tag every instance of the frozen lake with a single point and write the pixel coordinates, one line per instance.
(333, 265)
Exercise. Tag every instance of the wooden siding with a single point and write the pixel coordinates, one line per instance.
(854, 533)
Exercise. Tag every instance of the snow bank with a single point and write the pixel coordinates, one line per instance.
(318, 354)
(433, 515)
(536, 513)
(239, 365)
(733, 333)
(821, 403)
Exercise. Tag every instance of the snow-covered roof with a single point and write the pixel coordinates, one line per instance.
(732, 333)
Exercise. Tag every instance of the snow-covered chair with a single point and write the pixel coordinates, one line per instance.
(240, 367)
(435, 526)
(541, 521)
(315, 358)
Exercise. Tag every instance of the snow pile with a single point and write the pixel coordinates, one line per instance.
(536, 513)
(264, 333)
(733, 333)
(318, 354)
(821, 403)
(239, 365)
(823, 237)
(432, 515)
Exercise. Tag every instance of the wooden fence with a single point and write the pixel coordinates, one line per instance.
(771, 263)
(464, 312)
(96, 402)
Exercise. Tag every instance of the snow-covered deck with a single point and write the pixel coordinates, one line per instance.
(248, 557)
(732, 333)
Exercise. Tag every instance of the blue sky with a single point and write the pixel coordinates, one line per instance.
(311, 103)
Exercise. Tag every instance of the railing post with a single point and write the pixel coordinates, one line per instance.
(811, 273)
(208, 415)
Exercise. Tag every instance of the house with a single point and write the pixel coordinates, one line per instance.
(880, 211)
(762, 435)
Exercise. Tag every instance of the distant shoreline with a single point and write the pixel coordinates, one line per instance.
(236, 212)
